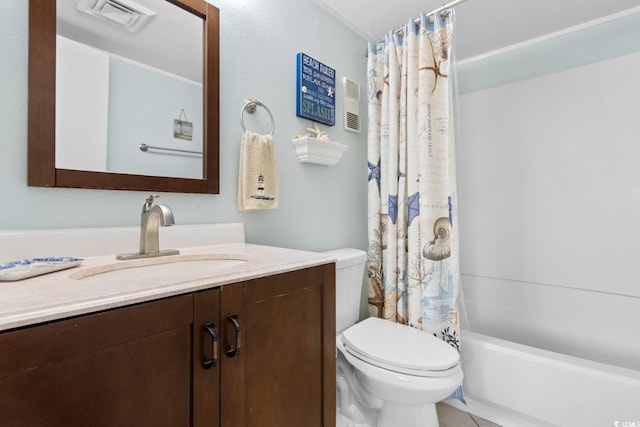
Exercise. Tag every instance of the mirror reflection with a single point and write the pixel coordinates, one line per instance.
(129, 75)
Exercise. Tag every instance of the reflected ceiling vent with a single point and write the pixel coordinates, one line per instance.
(125, 14)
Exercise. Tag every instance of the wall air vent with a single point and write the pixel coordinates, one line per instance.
(351, 105)
(124, 14)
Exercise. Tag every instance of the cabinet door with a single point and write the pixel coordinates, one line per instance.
(279, 368)
(129, 366)
(206, 358)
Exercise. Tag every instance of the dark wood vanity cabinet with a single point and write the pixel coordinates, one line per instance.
(284, 373)
(255, 353)
(128, 366)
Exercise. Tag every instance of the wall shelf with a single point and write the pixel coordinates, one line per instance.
(314, 150)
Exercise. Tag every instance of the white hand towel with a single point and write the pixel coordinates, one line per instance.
(258, 176)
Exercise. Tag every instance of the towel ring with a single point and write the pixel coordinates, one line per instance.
(250, 107)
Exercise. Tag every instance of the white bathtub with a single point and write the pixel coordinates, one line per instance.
(516, 385)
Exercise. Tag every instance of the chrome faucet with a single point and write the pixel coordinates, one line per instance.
(153, 216)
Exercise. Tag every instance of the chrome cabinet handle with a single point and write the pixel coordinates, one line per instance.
(235, 349)
(211, 362)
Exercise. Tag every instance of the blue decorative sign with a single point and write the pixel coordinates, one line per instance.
(316, 87)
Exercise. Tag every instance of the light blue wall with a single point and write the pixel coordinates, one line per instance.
(614, 36)
(142, 106)
(321, 207)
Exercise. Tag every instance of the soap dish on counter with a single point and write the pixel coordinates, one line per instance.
(18, 270)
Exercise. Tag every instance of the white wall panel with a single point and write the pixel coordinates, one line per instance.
(549, 178)
(549, 188)
(82, 106)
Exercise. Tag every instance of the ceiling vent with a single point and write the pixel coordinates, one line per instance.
(125, 14)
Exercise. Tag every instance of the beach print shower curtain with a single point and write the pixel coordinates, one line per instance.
(412, 265)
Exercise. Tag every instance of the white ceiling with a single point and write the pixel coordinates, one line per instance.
(481, 25)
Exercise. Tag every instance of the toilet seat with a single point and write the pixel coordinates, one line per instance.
(400, 348)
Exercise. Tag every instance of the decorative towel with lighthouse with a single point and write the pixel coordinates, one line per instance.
(258, 174)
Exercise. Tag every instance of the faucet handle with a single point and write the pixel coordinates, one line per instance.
(149, 202)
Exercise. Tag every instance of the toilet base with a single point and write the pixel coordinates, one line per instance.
(342, 421)
(394, 415)
(398, 415)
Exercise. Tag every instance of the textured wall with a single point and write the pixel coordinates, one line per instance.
(321, 207)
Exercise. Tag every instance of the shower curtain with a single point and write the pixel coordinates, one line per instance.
(412, 264)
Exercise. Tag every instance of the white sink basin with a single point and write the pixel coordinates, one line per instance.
(164, 270)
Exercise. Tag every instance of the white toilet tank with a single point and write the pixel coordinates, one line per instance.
(349, 274)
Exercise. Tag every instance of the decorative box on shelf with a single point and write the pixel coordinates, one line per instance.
(314, 150)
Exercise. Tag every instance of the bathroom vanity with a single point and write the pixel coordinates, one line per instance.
(254, 345)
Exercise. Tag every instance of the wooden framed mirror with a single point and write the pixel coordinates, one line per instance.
(44, 171)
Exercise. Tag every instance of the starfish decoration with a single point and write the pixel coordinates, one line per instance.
(414, 207)
(316, 132)
(374, 173)
(393, 208)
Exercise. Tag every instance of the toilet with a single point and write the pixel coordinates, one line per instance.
(387, 374)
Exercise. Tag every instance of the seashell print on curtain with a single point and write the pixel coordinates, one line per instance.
(412, 214)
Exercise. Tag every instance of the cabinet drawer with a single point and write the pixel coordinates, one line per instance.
(37, 345)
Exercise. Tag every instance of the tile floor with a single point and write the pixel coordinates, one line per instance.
(449, 416)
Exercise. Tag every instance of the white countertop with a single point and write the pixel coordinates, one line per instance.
(58, 295)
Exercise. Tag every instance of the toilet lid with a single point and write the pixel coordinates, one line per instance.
(398, 347)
